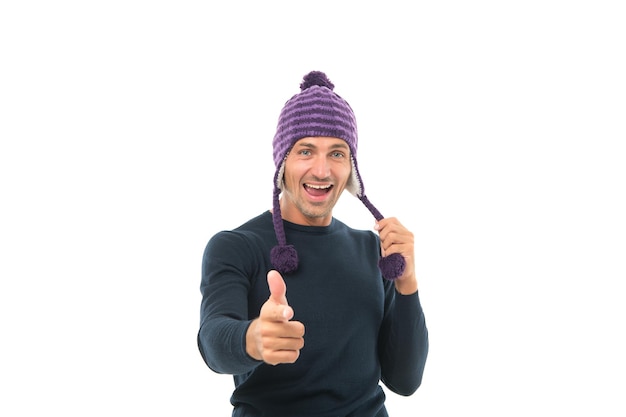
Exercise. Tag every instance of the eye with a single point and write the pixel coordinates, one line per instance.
(304, 152)
(338, 154)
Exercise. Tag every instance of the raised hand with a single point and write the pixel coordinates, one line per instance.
(273, 337)
(395, 238)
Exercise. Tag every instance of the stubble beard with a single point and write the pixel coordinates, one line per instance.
(315, 211)
(312, 210)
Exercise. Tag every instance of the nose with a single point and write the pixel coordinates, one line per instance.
(321, 167)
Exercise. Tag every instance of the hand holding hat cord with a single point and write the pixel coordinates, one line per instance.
(318, 111)
(393, 265)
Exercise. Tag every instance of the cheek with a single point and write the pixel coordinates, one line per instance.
(345, 173)
(291, 177)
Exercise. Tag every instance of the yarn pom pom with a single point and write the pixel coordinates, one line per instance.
(392, 266)
(284, 258)
(316, 78)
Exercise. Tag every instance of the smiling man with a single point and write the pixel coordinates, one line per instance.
(316, 173)
(353, 294)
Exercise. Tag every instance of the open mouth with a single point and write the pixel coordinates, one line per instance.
(318, 190)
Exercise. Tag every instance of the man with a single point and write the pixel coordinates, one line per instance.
(308, 314)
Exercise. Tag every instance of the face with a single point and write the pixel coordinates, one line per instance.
(317, 170)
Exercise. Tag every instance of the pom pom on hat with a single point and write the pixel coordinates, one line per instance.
(392, 266)
(316, 78)
(318, 111)
(284, 258)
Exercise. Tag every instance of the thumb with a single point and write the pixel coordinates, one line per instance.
(278, 288)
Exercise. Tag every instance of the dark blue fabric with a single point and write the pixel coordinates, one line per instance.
(359, 330)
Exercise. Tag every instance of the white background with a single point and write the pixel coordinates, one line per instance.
(132, 131)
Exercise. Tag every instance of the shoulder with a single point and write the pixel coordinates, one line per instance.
(252, 233)
(263, 220)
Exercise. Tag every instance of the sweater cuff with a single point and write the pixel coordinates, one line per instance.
(408, 303)
(248, 360)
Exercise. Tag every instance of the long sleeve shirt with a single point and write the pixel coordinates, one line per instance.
(359, 331)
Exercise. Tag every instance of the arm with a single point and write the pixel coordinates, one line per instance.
(229, 341)
(403, 342)
(224, 318)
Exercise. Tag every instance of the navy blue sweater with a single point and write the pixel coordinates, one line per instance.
(358, 329)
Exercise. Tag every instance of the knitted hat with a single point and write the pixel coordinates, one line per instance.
(318, 111)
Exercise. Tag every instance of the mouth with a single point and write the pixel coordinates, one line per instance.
(318, 190)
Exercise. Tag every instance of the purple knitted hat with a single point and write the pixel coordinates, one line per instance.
(318, 111)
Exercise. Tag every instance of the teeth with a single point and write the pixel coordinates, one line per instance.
(318, 187)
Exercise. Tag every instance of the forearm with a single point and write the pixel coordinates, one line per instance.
(404, 347)
(222, 343)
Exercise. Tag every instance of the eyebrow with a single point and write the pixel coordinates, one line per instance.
(342, 145)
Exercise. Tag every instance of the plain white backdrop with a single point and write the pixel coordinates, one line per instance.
(131, 131)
